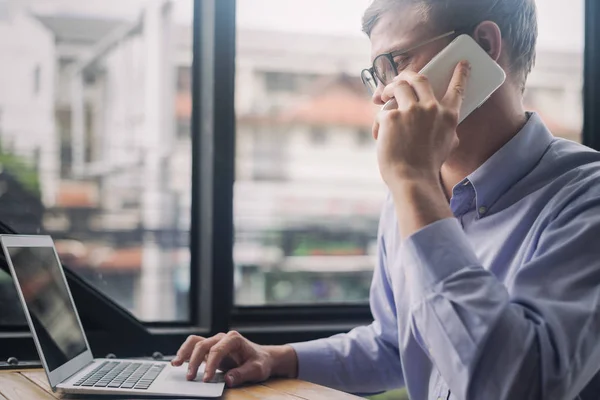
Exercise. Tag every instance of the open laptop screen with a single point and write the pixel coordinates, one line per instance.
(53, 316)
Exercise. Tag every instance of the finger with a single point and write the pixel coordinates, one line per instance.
(254, 371)
(185, 351)
(401, 91)
(375, 129)
(200, 350)
(218, 352)
(420, 85)
(456, 91)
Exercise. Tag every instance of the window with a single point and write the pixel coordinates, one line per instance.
(102, 161)
(268, 159)
(12, 313)
(364, 137)
(318, 136)
(302, 219)
(280, 82)
(554, 88)
(184, 78)
(4, 9)
(184, 128)
(37, 80)
(309, 239)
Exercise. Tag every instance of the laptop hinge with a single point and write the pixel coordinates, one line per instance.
(76, 372)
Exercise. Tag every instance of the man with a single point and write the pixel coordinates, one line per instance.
(488, 283)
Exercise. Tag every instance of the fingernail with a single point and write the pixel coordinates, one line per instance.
(231, 379)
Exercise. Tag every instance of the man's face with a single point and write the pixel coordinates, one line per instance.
(397, 30)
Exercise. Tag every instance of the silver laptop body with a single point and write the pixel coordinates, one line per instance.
(61, 342)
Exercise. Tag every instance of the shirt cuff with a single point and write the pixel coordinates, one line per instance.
(315, 359)
(434, 253)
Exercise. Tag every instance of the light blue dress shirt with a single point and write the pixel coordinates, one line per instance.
(500, 302)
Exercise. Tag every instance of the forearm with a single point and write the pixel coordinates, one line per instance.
(361, 361)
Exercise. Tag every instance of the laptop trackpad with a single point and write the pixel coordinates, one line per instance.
(173, 380)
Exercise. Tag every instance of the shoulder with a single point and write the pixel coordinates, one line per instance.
(571, 172)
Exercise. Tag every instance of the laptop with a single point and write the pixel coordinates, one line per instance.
(61, 342)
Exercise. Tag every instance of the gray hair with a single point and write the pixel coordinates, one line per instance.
(517, 20)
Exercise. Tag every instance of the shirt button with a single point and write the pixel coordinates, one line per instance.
(466, 183)
(482, 210)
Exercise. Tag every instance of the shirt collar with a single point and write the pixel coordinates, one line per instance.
(510, 164)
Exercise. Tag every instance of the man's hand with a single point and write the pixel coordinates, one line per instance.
(416, 138)
(414, 141)
(245, 361)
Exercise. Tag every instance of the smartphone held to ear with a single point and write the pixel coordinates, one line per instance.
(485, 78)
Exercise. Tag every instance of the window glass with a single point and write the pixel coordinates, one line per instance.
(98, 153)
(305, 224)
(554, 88)
(308, 191)
(12, 312)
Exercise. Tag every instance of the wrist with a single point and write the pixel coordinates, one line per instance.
(403, 182)
(418, 204)
(284, 361)
(417, 192)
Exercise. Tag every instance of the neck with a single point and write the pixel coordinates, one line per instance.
(482, 134)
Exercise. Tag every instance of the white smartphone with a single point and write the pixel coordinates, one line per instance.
(486, 75)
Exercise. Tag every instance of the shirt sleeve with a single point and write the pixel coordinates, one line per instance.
(366, 360)
(535, 337)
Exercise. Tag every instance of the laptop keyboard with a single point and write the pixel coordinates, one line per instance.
(124, 375)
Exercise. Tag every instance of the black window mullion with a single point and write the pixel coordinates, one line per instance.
(200, 271)
(223, 133)
(591, 87)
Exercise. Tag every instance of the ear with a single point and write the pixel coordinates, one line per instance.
(489, 37)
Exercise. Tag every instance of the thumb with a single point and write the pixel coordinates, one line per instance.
(390, 105)
(249, 372)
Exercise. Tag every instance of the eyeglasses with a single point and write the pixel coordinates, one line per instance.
(385, 68)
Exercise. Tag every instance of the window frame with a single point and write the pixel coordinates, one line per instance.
(211, 295)
(591, 75)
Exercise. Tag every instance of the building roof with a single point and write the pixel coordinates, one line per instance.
(79, 29)
(183, 105)
(338, 105)
(123, 260)
(342, 101)
(337, 101)
(99, 256)
(77, 195)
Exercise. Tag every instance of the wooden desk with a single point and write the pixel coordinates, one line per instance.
(33, 385)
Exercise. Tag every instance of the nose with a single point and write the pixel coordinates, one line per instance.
(377, 95)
